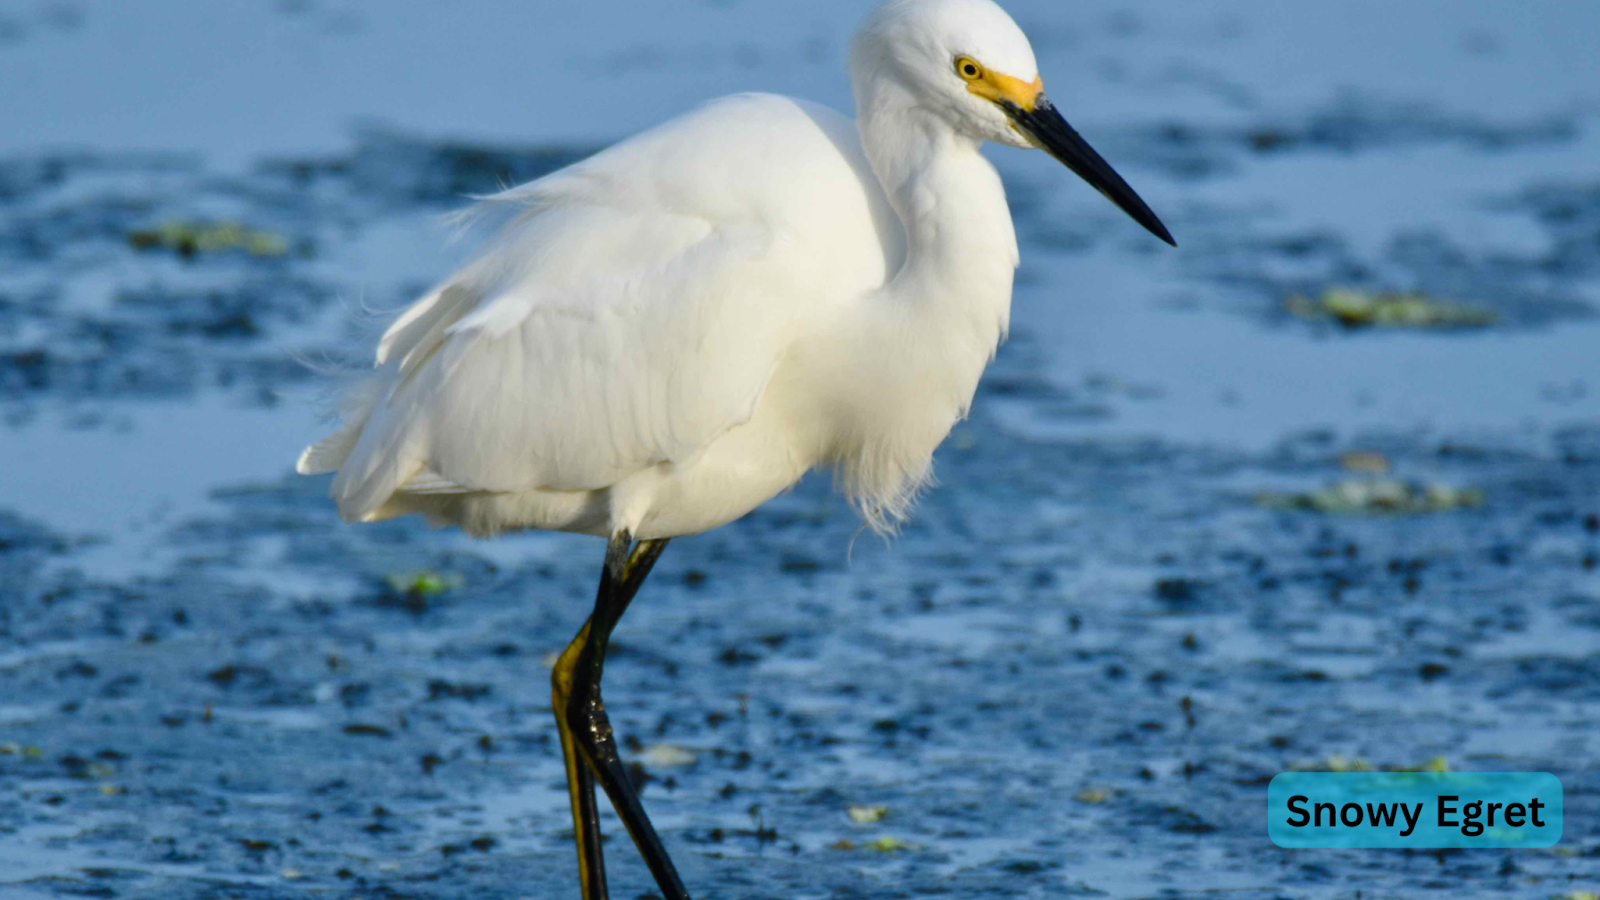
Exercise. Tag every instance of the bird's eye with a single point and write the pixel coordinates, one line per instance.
(968, 68)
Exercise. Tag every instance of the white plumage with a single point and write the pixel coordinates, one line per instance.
(669, 333)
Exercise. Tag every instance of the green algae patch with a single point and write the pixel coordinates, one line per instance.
(1338, 762)
(189, 239)
(1437, 764)
(885, 844)
(415, 591)
(422, 583)
(863, 814)
(1375, 496)
(1361, 309)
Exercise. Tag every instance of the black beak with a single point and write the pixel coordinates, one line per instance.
(1045, 127)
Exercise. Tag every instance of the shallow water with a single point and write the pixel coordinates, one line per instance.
(1073, 675)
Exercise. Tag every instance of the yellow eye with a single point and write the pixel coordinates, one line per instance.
(968, 68)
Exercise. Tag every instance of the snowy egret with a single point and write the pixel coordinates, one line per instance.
(669, 333)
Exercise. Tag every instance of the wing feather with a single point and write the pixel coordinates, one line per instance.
(628, 315)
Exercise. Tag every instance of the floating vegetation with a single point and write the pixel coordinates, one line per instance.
(189, 239)
(668, 756)
(422, 583)
(1338, 762)
(360, 729)
(1092, 795)
(1341, 763)
(1375, 496)
(885, 844)
(866, 815)
(1364, 461)
(1437, 764)
(1359, 309)
(414, 591)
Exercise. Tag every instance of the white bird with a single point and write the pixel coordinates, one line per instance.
(674, 330)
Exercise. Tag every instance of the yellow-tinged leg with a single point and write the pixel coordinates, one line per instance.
(580, 780)
(587, 744)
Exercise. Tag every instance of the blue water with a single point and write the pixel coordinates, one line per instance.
(1073, 675)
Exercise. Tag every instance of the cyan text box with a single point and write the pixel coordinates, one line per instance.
(1338, 808)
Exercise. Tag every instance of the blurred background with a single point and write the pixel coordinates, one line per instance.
(1318, 489)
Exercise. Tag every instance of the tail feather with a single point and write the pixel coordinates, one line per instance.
(328, 454)
(355, 408)
(367, 476)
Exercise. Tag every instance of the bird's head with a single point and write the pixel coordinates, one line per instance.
(968, 63)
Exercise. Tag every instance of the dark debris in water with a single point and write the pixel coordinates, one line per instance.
(1376, 496)
(1349, 125)
(1179, 636)
(240, 287)
(144, 344)
(400, 170)
(1571, 215)
(190, 239)
(1422, 279)
(1234, 250)
(1362, 309)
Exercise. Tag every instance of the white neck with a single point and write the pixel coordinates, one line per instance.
(950, 204)
(953, 292)
(929, 333)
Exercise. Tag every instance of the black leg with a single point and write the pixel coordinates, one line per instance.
(586, 730)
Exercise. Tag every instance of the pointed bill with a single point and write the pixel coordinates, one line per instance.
(1043, 125)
